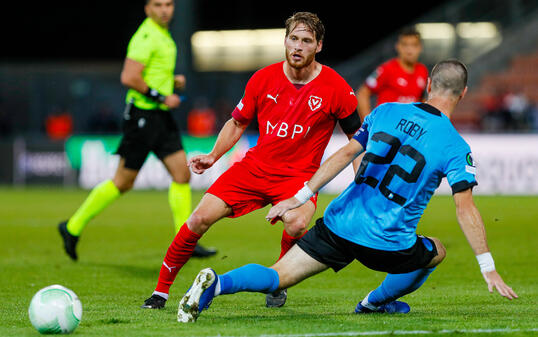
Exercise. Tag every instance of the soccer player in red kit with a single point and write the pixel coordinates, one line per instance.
(401, 79)
(297, 103)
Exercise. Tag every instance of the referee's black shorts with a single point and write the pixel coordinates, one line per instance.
(330, 249)
(145, 131)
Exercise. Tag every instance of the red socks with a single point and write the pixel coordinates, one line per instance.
(177, 255)
(181, 250)
(287, 242)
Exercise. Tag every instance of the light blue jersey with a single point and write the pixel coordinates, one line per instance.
(409, 149)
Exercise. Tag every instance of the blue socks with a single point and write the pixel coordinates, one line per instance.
(397, 285)
(251, 277)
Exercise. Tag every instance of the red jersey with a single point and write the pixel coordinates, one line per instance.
(391, 83)
(295, 124)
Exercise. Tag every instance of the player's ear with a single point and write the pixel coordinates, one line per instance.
(429, 85)
(320, 46)
(463, 92)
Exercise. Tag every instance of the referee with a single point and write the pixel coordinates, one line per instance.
(148, 125)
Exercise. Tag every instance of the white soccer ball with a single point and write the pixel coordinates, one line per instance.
(54, 310)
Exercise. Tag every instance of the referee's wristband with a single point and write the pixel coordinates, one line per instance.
(486, 263)
(304, 194)
(155, 95)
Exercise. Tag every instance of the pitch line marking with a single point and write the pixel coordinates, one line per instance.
(400, 332)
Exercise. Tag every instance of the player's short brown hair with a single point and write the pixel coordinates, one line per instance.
(310, 20)
(449, 77)
(409, 31)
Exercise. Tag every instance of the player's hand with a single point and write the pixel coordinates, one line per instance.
(180, 82)
(199, 164)
(172, 101)
(494, 280)
(282, 207)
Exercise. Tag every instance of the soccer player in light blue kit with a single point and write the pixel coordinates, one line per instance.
(409, 149)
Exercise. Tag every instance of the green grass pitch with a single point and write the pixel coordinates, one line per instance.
(121, 250)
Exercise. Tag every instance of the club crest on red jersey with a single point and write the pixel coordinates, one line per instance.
(314, 102)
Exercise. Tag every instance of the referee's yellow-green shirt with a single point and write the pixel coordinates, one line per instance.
(153, 46)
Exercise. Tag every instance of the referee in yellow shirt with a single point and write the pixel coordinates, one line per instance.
(148, 125)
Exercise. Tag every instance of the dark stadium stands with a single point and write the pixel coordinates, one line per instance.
(491, 99)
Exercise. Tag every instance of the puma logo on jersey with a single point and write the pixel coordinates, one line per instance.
(273, 98)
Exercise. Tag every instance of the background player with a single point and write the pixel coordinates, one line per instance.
(148, 72)
(409, 148)
(297, 103)
(401, 79)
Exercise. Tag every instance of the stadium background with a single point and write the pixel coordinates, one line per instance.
(62, 64)
(60, 93)
(60, 78)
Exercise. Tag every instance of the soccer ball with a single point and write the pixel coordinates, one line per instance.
(55, 309)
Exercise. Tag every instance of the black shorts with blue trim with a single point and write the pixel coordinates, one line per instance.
(146, 131)
(336, 252)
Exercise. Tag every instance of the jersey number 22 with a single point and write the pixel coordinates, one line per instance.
(395, 147)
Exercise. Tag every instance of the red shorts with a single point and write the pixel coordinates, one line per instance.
(245, 188)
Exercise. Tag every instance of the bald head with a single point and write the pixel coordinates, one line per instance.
(448, 78)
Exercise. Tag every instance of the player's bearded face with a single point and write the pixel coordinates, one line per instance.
(301, 47)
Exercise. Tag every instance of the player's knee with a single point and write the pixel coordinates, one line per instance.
(198, 222)
(296, 226)
(182, 177)
(123, 185)
(441, 253)
(187, 175)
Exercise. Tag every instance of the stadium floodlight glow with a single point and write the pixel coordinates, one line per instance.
(436, 30)
(237, 50)
(477, 30)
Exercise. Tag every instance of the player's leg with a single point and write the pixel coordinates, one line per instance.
(295, 226)
(317, 251)
(209, 210)
(291, 269)
(138, 135)
(235, 193)
(99, 198)
(296, 223)
(179, 193)
(396, 285)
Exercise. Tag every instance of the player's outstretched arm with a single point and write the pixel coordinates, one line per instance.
(330, 168)
(228, 136)
(472, 226)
